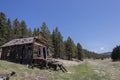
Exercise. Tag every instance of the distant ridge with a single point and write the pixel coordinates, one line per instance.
(107, 53)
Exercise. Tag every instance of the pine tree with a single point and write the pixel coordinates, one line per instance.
(24, 30)
(16, 29)
(58, 45)
(116, 54)
(10, 30)
(69, 47)
(79, 51)
(30, 33)
(46, 32)
(55, 43)
(35, 33)
(3, 28)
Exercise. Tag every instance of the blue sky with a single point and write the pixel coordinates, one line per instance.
(93, 23)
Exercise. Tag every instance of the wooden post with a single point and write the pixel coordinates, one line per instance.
(32, 61)
(0, 52)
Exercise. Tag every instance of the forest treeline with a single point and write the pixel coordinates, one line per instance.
(59, 48)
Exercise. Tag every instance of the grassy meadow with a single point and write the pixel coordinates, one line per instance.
(85, 71)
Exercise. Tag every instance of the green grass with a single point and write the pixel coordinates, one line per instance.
(80, 72)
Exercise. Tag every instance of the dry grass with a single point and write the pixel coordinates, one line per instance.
(86, 70)
(69, 63)
(106, 68)
(22, 72)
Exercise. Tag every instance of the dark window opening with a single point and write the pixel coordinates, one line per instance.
(48, 52)
(44, 53)
(39, 51)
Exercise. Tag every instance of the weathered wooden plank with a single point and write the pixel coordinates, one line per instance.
(38, 44)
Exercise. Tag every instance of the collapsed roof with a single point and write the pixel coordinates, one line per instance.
(19, 41)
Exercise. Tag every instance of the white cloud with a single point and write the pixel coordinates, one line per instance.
(102, 48)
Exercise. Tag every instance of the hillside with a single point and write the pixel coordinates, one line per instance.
(107, 53)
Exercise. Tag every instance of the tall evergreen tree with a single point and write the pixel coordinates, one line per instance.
(16, 28)
(116, 54)
(35, 33)
(58, 44)
(3, 28)
(61, 46)
(10, 30)
(69, 45)
(46, 32)
(45, 29)
(24, 30)
(55, 43)
(79, 51)
(30, 33)
(38, 31)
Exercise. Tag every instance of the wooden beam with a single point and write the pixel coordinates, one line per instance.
(39, 44)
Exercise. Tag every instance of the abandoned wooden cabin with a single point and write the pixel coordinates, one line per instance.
(26, 50)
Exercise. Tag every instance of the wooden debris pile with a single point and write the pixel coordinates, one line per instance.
(6, 76)
(55, 65)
